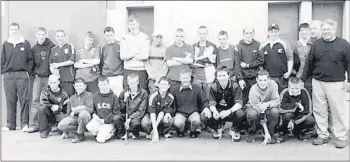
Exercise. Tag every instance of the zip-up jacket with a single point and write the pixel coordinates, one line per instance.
(249, 54)
(135, 106)
(106, 105)
(225, 98)
(158, 104)
(62, 54)
(85, 99)
(41, 54)
(17, 56)
(49, 98)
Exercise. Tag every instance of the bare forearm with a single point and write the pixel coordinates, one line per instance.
(66, 63)
(154, 121)
(236, 107)
(290, 66)
(90, 61)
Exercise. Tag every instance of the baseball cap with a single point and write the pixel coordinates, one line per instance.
(273, 26)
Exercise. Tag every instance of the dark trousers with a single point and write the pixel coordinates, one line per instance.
(38, 85)
(281, 82)
(236, 118)
(253, 119)
(47, 117)
(143, 76)
(308, 123)
(134, 127)
(16, 87)
(92, 86)
(249, 83)
(163, 128)
(68, 87)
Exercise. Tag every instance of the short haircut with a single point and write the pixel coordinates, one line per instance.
(61, 31)
(132, 76)
(223, 32)
(15, 24)
(303, 25)
(202, 27)
(54, 75)
(102, 78)
(108, 29)
(315, 22)
(183, 72)
(133, 18)
(222, 68)
(331, 22)
(248, 28)
(79, 80)
(42, 29)
(294, 80)
(163, 78)
(179, 30)
(262, 72)
(90, 34)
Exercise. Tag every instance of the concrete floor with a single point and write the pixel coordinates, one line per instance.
(17, 145)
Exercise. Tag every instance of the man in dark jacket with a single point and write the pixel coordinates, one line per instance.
(53, 108)
(16, 67)
(41, 52)
(106, 119)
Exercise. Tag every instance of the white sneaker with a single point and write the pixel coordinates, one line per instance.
(168, 135)
(132, 135)
(25, 128)
(235, 135)
(218, 134)
(5, 129)
(124, 137)
(148, 136)
(64, 135)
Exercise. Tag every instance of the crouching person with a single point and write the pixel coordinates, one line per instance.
(160, 111)
(106, 119)
(80, 108)
(226, 101)
(263, 107)
(190, 100)
(133, 101)
(296, 111)
(53, 100)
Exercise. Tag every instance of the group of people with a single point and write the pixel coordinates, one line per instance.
(122, 88)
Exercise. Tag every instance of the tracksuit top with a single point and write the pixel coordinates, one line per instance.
(131, 44)
(276, 58)
(224, 99)
(41, 54)
(289, 105)
(135, 106)
(208, 50)
(226, 57)
(158, 104)
(61, 54)
(258, 95)
(49, 98)
(190, 99)
(248, 53)
(156, 65)
(111, 64)
(85, 98)
(328, 61)
(106, 105)
(89, 74)
(17, 56)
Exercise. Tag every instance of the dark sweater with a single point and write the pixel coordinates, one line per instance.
(106, 105)
(226, 57)
(289, 105)
(328, 61)
(248, 53)
(111, 64)
(189, 100)
(49, 98)
(18, 58)
(224, 99)
(83, 99)
(41, 54)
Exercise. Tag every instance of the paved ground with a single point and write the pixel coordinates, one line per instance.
(21, 146)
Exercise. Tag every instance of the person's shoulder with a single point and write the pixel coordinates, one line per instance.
(143, 35)
(214, 86)
(273, 83)
(234, 84)
(153, 95)
(144, 92)
(285, 93)
(171, 96)
(343, 41)
(88, 94)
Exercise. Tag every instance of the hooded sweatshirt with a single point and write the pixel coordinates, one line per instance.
(248, 53)
(111, 64)
(41, 54)
(16, 56)
(106, 105)
(84, 98)
(49, 98)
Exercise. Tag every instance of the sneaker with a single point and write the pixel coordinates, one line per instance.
(302, 137)
(5, 129)
(235, 135)
(44, 134)
(193, 134)
(278, 137)
(168, 135)
(250, 138)
(148, 136)
(78, 138)
(217, 134)
(319, 141)
(179, 134)
(64, 135)
(25, 128)
(340, 144)
(274, 139)
(124, 137)
(32, 130)
(132, 135)
(54, 129)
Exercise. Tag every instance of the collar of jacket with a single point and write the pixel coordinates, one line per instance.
(15, 42)
(182, 87)
(207, 44)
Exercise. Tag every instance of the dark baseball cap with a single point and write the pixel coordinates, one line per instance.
(273, 26)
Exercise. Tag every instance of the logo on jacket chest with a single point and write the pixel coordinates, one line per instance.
(43, 54)
(103, 106)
